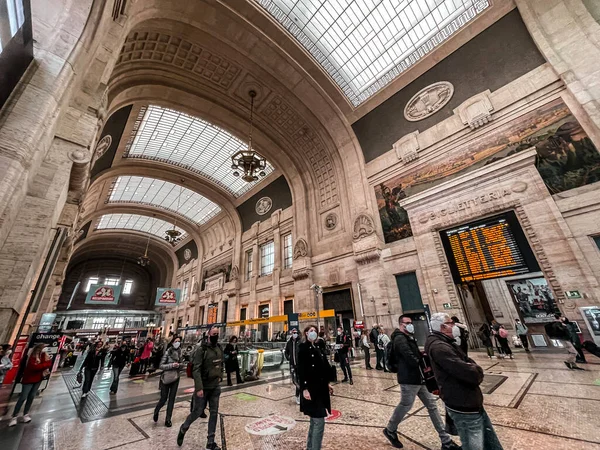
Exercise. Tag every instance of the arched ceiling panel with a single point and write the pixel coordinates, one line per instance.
(177, 138)
(163, 194)
(136, 222)
(363, 45)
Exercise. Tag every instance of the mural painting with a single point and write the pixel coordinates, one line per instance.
(567, 159)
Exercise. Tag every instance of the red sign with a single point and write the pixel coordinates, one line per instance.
(335, 414)
(359, 325)
(17, 355)
(104, 294)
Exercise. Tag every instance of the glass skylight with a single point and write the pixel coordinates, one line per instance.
(365, 44)
(163, 194)
(136, 222)
(185, 141)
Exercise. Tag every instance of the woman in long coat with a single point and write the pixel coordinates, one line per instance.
(231, 361)
(313, 376)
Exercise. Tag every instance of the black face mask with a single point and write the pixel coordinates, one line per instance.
(214, 339)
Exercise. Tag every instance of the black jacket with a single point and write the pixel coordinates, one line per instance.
(93, 360)
(458, 377)
(346, 341)
(291, 351)
(207, 366)
(408, 357)
(119, 357)
(373, 335)
(231, 360)
(313, 375)
(557, 330)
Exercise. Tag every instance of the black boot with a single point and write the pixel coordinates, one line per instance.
(155, 416)
(180, 436)
(168, 424)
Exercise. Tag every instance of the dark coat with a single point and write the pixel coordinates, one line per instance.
(408, 356)
(313, 375)
(291, 351)
(231, 361)
(119, 357)
(373, 335)
(92, 360)
(458, 376)
(485, 334)
(345, 341)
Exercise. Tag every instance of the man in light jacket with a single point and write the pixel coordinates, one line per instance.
(522, 332)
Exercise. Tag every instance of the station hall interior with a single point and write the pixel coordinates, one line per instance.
(171, 167)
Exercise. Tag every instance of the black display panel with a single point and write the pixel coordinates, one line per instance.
(490, 248)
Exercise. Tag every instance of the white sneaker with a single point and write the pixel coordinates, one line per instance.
(26, 418)
(12, 422)
(298, 400)
(84, 395)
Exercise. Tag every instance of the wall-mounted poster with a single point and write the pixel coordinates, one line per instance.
(101, 294)
(167, 297)
(567, 159)
(534, 298)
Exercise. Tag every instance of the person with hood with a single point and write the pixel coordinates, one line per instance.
(169, 380)
(208, 374)
(522, 331)
(407, 360)
(463, 339)
(373, 336)
(231, 361)
(343, 343)
(291, 354)
(458, 378)
(119, 358)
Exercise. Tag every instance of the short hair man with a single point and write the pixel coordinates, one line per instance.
(408, 362)
(458, 378)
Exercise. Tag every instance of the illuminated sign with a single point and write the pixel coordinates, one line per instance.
(491, 248)
(167, 297)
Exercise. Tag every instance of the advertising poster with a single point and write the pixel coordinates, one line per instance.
(100, 294)
(534, 298)
(591, 315)
(46, 322)
(167, 297)
(212, 312)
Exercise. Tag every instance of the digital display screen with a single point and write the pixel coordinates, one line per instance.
(492, 248)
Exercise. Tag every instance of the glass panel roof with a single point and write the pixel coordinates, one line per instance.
(365, 44)
(163, 194)
(136, 222)
(176, 138)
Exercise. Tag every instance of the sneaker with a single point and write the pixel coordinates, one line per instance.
(180, 436)
(297, 400)
(26, 418)
(12, 422)
(569, 365)
(393, 438)
(451, 446)
(84, 395)
(212, 446)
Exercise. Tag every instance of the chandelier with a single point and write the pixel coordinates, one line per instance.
(248, 163)
(174, 236)
(144, 260)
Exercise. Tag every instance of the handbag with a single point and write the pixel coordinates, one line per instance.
(169, 376)
(332, 374)
(79, 377)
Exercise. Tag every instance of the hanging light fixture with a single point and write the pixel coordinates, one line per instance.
(144, 260)
(247, 163)
(174, 236)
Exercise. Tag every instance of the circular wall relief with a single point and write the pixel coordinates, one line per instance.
(263, 206)
(428, 101)
(331, 221)
(102, 146)
(187, 254)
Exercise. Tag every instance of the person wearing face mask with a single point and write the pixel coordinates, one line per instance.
(343, 343)
(208, 374)
(291, 354)
(169, 380)
(458, 378)
(407, 358)
(231, 361)
(119, 358)
(5, 361)
(313, 375)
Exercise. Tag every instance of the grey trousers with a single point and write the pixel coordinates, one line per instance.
(211, 397)
(315, 433)
(409, 393)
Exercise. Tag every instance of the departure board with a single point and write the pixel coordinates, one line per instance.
(487, 249)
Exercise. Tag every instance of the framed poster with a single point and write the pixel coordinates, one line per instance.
(534, 298)
(167, 297)
(101, 294)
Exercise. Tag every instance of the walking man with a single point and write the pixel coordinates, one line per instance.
(558, 330)
(373, 337)
(119, 357)
(291, 354)
(208, 373)
(407, 360)
(458, 378)
(522, 330)
(382, 342)
(343, 343)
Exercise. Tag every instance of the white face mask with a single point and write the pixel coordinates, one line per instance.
(295, 335)
(312, 336)
(455, 331)
(176, 345)
(410, 328)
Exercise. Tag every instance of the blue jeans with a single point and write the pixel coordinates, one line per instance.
(28, 392)
(315, 433)
(114, 387)
(475, 430)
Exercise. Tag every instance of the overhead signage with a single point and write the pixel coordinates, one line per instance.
(284, 318)
(313, 314)
(167, 297)
(101, 294)
(359, 325)
(572, 294)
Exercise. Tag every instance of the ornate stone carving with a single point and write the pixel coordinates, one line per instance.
(195, 287)
(155, 47)
(407, 147)
(187, 254)
(476, 111)
(428, 101)
(235, 273)
(368, 256)
(331, 221)
(363, 226)
(263, 206)
(301, 274)
(101, 147)
(301, 248)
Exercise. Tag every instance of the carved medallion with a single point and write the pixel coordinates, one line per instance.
(363, 226)
(263, 206)
(187, 254)
(300, 249)
(331, 221)
(428, 101)
(102, 146)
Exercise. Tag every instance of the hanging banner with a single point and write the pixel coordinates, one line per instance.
(101, 294)
(167, 297)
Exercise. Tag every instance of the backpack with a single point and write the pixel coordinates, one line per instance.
(428, 375)
(390, 357)
(503, 333)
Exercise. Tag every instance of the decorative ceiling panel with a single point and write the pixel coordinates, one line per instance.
(163, 194)
(365, 44)
(176, 138)
(146, 224)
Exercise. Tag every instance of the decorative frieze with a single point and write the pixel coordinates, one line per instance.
(368, 257)
(407, 147)
(301, 274)
(476, 111)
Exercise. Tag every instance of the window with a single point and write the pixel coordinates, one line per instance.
(112, 282)
(224, 312)
(267, 258)
(288, 306)
(98, 323)
(127, 287)
(91, 280)
(287, 251)
(248, 265)
(597, 241)
(185, 290)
